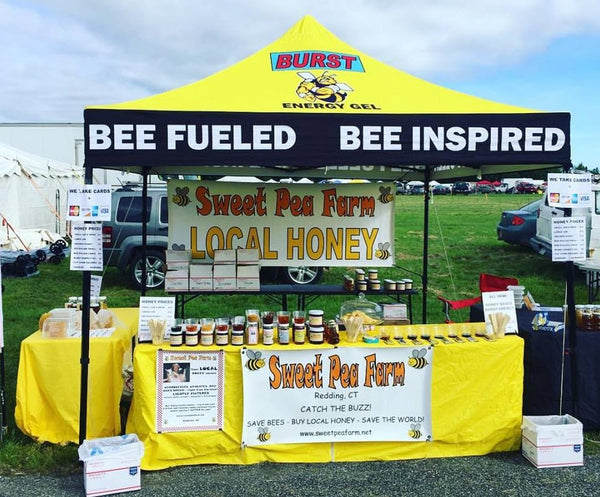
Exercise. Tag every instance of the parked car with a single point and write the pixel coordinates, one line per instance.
(518, 227)
(502, 188)
(525, 187)
(417, 190)
(461, 187)
(484, 189)
(122, 241)
(400, 188)
(440, 190)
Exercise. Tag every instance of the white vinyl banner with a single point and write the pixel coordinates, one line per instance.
(290, 224)
(336, 395)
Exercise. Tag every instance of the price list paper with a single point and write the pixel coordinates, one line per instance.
(154, 308)
(86, 247)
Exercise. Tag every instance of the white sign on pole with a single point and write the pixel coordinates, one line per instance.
(86, 247)
(336, 395)
(315, 224)
(154, 308)
(569, 190)
(88, 203)
(500, 312)
(190, 390)
(568, 239)
(95, 285)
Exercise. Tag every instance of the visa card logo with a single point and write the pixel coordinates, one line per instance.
(291, 61)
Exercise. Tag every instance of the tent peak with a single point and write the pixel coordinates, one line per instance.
(309, 28)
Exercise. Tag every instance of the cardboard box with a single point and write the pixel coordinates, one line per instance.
(224, 256)
(178, 260)
(247, 256)
(177, 281)
(248, 277)
(111, 465)
(224, 277)
(552, 441)
(201, 277)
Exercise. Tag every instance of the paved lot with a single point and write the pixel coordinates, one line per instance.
(502, 475)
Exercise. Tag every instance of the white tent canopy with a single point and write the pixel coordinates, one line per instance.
(33, 190)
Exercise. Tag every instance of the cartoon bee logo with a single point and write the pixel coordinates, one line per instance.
(255, 361)
(418, 360)
(263, 434)
(180, 197)
(383, 251)
(415, 431)
(385, 195)
(324, 88)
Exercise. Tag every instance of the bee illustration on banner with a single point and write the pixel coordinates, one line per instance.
(383, 251)
(180, 197)
(385, 196)
(418, 360)
(255, 361)
(325, 88)
(263, 434)
(415, 431)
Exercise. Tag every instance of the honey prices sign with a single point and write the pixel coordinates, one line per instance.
(317, 224)
(337, 395)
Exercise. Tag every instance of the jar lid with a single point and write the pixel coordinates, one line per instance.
(315, 312)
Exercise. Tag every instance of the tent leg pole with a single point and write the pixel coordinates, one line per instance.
(144, 229)
(85, 338)
(425, 243)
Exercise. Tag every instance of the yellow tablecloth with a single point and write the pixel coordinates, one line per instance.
(476, 409)
(48, 383)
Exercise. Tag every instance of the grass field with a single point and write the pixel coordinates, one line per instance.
(463, 244)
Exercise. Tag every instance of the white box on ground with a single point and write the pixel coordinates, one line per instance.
(552, 441)
(224, 277)
(111, 465)
(247, 256)
(177, 281)
(178, 260)
(201, 277)
(248, 277)
(224, 256)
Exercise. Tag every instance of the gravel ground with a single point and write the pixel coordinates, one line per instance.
(500, 474)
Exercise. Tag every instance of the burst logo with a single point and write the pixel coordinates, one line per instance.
(291, 61)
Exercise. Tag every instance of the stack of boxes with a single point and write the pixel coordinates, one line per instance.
(231, 270)
(178, 269)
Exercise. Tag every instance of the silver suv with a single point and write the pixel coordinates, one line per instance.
(122, 241)
(122, 236)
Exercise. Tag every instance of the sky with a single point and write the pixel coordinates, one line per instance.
(59, 56)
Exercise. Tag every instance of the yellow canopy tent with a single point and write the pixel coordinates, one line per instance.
(310, 105)
(310, 101)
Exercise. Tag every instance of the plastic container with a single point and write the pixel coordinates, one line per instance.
(371, 312)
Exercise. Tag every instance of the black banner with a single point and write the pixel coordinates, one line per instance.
(132, 139)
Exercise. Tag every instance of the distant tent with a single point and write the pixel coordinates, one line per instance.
(33, 190)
